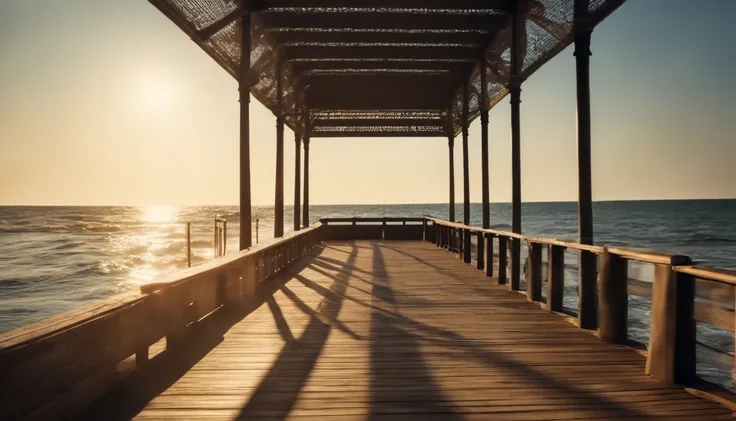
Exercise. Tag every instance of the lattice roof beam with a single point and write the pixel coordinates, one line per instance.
(380, 20)
(502, 5)
(340, 122)
(374, 52)
(286, 35)
(305, 64)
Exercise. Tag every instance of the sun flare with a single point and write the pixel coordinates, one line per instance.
(159, 213)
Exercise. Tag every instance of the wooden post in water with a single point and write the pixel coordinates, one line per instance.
(214, 241)
(305, 217)
(244, 84)
(278, 223)
(588, 267)
(224, 237)
(297, 179)
(671, 356)
(613, 299)
(466, 172)
(189, 244)
(451, 146)
(555, 277)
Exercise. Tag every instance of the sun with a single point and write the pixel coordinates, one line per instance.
(155, 94)
(159, 213)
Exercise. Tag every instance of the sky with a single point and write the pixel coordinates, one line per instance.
(109, 103)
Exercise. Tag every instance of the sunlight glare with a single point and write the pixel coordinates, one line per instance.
(159, 213)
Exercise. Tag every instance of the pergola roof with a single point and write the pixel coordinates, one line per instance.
(383, 67)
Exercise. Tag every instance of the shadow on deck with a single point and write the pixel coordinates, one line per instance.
(396, 330)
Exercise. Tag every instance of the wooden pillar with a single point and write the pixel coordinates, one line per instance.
(518, 51)
(534, 272)
(484, 147)
(516, 186)
(613, 299)
(671, 356)
(502, 259)
(451, 146)
(278, 223)
(466, 171)
(555, 277)
(588, 268)
(489, 255)
(244, 83)
(297, 179)
(305, 218)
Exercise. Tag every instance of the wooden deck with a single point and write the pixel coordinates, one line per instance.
(398, 331)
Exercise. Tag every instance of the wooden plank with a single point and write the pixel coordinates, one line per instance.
(402, 330)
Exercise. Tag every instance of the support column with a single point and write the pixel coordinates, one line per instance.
(244, 90)
(466, 172)
(518, 51)
(451, 146)
(305, 218)
(297, 179)
(278, 223)
(588, 265)
(484, 146)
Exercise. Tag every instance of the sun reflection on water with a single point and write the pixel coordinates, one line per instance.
(159, 213)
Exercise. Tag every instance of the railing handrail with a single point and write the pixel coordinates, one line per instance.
(640, 255)
(19, 337)
(372, 219)
(723, 276)
(180, 276)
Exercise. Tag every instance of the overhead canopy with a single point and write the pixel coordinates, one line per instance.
(382, 67)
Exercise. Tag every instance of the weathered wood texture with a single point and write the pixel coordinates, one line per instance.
(400, 331)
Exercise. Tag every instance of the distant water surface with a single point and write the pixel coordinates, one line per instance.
(56, 258)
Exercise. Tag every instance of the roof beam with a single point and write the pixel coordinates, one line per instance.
(305, 64)
(342, 122)
(382, 20)
(385, 51)
(287, 35)
(504, 5)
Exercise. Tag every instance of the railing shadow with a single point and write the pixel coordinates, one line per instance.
(127, 398)
(276, 394)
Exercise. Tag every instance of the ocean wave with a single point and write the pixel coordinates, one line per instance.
(707, 238)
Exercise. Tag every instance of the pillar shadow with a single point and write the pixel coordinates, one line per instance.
(396, 356)
(279, 388)
(128, 397)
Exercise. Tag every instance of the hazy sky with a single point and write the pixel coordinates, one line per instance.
(108, 102)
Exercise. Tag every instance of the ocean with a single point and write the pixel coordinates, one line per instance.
(57, 258)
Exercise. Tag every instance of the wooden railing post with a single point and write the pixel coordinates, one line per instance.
(587, 274)
(480, 251)
(460, 242)
(489, 255)
(502, 259)
(613, 299)
(534, 272)
(671, 355)
(555, 277)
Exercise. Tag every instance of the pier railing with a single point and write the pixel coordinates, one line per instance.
(603, 299)
(59, 365)
(54, 367)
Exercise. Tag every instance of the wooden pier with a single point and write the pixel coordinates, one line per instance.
(357, 319)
